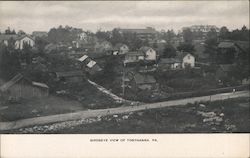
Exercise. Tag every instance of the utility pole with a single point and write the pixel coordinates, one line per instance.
(123, 84)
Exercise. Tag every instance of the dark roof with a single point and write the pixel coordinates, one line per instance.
(11, 82)
(144, 79)
(181, 55)
(118, 46)
(69, 74)
(144, 49)
(135, 53)
(226, 44)
(169, 61)
(17, 78)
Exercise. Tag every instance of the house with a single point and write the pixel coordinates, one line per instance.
(133, 57)
(149, 53)
(170, 63)
(21, 41)
(120, 49)
(144, 82)
(228, 51)
(69, 76)
(89, 65)
(20, 87)
(187, 59)
(147, 33)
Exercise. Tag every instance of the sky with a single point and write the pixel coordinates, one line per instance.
(93, 15)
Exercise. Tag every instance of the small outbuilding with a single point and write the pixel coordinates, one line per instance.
(21, 87)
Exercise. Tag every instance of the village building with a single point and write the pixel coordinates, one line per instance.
(21, 87)
(187, 59)
(169, 63)
(68, 76)
(19, 41)
(229, 51)
(120, 49)
(144, 82)
(149, 53)
(148, 33)
(133, 57)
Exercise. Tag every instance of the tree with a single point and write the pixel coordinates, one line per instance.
(40, 44)
(169, 51)
(224, 33)
(212, 38)
(188, 36)
(186, 47)
(21, 32)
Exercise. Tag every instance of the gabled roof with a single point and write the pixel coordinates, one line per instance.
(144, 79)
(119, 45)
(169, 61)
(11, 82)
(83, 58)
(181, 55)
(23, 36)
(144, 49)
(38, 84)
(16, 79)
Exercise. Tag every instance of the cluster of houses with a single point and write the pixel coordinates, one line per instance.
(92, 52)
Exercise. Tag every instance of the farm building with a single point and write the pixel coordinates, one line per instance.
(69, 76)
(20, 87)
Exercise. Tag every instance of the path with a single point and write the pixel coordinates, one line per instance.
(107, 92)
(111, 111)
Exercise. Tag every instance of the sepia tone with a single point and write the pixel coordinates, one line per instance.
(117, 67)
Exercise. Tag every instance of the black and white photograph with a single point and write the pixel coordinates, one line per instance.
(124, 67)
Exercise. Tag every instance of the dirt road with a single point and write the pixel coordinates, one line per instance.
(111, 111)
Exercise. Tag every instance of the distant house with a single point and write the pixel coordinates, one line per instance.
(21, 41)
(144, 82)
(69, 76)
(89, 65)
(5, 38)
(170, 63)
(20, 87)
(188, 60)
(133, 57)
(147, 33)
(228, 51)
(149, 53)
(39, 34)
(120, 49)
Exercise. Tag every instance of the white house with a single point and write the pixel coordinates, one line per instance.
(150, 53)
(121, 48)
(19, 44)
(187, 60)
